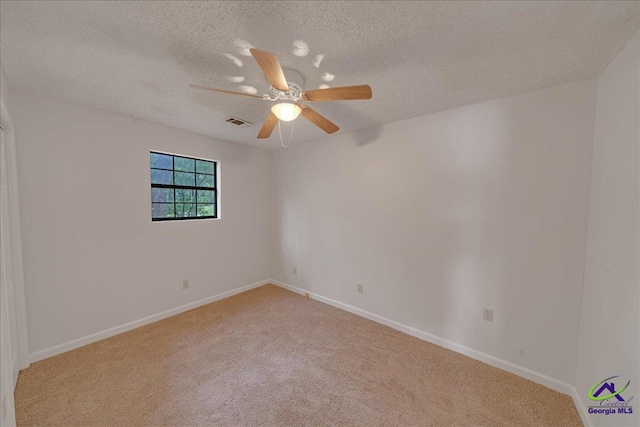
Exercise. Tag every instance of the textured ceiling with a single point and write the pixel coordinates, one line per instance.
(138, 58)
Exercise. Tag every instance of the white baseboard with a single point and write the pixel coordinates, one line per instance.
(582, 410)
(521, 371)
(70, 345)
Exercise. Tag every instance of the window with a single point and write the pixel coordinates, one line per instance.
(182, 187)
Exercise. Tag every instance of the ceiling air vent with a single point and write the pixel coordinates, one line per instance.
(238, 122)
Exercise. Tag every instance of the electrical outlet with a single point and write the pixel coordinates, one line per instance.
(295, 270)
(185, 284)
(487, 315)
(239, 272)
(360, 288)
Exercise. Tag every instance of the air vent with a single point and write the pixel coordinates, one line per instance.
(238, 122)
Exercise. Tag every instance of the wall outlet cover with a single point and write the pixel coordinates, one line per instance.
(487, 315)
(360, 288)
(185, 284)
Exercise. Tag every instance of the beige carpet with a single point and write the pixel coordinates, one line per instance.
(272, 357)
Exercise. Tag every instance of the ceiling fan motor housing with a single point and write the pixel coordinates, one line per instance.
(293, 94)
(295, 81)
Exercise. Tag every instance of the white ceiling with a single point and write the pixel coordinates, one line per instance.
(138, 58)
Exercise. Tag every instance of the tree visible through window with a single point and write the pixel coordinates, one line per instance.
(182, 187)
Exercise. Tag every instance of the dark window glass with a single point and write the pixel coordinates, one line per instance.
(206, 196)
(206, 210)
(161, 161)
(161, 176)
(182, 187)
(162, 210)
(184, 164)
(202, 166)
(186, 178)
(185, 196)
(205, 180)
(185, 210)
(162, 195)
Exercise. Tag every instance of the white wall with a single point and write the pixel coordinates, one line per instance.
(93, 257)
(610, 327)
(441, 215)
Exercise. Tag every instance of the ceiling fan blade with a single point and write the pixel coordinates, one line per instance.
(271, 68)
(225, 91)
(268, 126)
(339, 93)
(318, 119)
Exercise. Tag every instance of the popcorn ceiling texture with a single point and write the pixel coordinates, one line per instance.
(138, 58)
(271, 357)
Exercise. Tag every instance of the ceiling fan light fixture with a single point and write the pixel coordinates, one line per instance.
(286, 111)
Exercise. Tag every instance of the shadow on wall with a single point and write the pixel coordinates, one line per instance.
(366, 136)
(370, 131)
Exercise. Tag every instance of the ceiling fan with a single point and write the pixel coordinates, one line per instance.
(289, 94)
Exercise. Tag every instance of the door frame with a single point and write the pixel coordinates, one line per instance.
(15, 237)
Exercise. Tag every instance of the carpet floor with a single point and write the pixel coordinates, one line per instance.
(272, 357)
